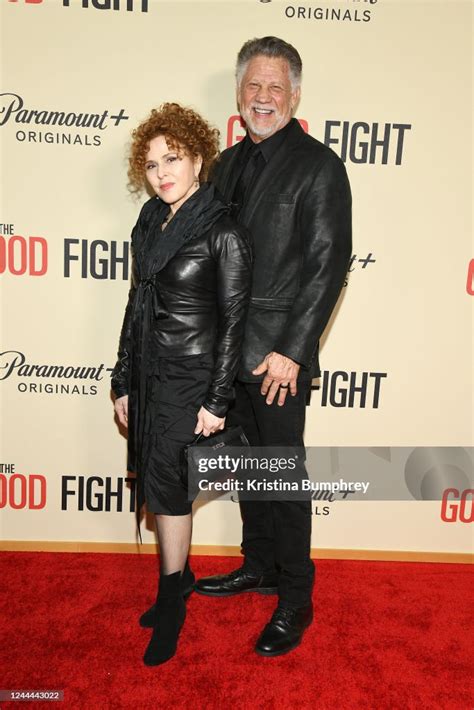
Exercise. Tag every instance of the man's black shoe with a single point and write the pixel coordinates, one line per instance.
(285, 630)
(225, 585)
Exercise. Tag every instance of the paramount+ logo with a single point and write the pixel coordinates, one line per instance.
(129, 5)
(51, 378)
(62, 126)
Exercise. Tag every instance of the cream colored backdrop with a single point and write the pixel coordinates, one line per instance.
(372, 70)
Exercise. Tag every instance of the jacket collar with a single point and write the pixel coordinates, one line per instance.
(269, 146)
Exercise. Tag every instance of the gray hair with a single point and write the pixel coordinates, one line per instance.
(270, 47)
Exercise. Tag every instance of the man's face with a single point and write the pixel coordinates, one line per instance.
(265, 97)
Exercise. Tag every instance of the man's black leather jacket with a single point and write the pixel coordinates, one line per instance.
(299, 215)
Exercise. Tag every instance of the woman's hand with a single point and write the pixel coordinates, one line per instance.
(208, 423)
(121, 409)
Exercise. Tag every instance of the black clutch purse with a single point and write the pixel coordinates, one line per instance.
(231, 436)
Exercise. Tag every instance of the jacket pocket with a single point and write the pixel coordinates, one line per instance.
(276, 303)
(282, 198)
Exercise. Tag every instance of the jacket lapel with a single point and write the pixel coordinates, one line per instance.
(227, 177)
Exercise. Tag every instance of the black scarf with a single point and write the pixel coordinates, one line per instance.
(193, 218)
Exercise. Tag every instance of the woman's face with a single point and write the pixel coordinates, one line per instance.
(171, 175)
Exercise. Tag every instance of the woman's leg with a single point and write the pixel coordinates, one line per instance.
(174, 538)
(184, 384)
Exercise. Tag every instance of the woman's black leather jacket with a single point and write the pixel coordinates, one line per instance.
(195, 304)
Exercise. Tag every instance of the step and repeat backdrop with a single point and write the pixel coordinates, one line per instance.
(387, 85)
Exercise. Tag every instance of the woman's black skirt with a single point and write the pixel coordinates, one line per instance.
(175, 393)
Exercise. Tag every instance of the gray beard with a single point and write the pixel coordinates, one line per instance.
(258, 131)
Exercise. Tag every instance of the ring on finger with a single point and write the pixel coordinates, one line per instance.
(284, 387)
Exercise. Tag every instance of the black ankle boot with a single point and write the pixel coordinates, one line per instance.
(170, 616)
(148, 618)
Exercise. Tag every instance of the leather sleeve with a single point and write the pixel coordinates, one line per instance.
(121, 371)
(234, 274)
(325, 225)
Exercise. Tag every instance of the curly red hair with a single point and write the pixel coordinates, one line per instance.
(184, 131)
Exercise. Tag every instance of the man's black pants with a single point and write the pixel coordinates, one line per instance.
(276, 534)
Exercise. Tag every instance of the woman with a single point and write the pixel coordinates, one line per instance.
(179, 345)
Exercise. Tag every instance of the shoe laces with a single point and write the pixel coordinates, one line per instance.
(283, 614)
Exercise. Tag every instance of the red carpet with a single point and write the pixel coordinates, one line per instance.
(386, 635)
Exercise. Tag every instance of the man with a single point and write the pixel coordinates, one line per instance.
(292, 192)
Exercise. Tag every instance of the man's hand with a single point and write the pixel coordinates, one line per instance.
(121, 409)
(282, 373)
(208, 423)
